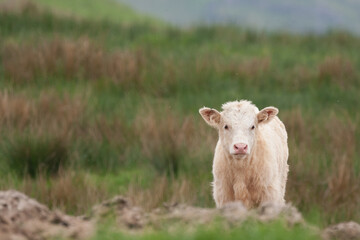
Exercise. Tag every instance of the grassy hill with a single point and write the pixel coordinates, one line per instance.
(95, 9)
(105, 10)
(90, 109)
(295, 16)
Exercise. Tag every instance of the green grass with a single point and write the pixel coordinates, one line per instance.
(249, 230)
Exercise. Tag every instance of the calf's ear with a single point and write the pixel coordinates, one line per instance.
(211, 116)
(267, 114)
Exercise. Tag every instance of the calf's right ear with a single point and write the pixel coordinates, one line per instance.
(267, 114)
(211, 116)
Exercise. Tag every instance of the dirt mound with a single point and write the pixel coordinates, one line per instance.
(132, 217)
(24, 218)
(342, 231)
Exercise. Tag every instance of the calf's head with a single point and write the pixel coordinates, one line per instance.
(238, 125)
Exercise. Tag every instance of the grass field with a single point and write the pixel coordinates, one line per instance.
(93, 108)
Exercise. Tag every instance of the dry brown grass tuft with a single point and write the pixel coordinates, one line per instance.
(64, 117)
(49, 113)
(322, 155)
(337, 70)
(18, 6)
(163, 137)
(169, 191)
(249, 68)
(79, 59)
(343, 182)
(71, 192)
(75, 193)
(298, 77)
(102, 129)
(169, 139)
(37, 132)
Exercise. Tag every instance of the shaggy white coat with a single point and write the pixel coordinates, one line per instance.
(260, 175)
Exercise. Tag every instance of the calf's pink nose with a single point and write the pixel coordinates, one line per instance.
(240, 148)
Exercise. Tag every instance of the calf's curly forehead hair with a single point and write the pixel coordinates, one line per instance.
(237, 105)
(243, 107)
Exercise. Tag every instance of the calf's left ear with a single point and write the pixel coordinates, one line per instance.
(267, 114)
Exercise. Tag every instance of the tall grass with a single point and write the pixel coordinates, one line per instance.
(71, 60)
(31, 156)
(323, 163)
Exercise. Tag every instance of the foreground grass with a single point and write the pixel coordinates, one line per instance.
(115, 107)
(249, 230)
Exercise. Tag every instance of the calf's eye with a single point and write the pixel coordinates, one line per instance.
(226, 127)
(252, 127)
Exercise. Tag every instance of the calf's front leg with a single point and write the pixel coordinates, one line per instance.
(223, 192)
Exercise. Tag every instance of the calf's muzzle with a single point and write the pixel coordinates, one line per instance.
(240, 148)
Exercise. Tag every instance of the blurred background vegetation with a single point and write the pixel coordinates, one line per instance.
(98, 100)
